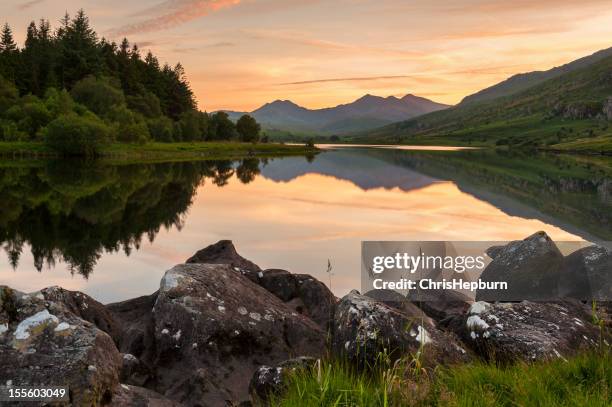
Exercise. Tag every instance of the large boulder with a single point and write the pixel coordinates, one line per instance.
(302, 292)
(42, 342)
(587, 274)
(531, 267)
(365, 328)
(213, 327)
(528, 331)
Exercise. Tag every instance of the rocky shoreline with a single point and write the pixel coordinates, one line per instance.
(220, 331)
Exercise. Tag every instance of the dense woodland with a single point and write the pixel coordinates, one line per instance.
(77, 93)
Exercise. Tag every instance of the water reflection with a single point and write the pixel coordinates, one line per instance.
(292, 212)
(73, 212)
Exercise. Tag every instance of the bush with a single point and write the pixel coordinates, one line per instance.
(98, 95)
(77, 135)
(30, 114)
(161, 129)
(10, 132)
(128, 127)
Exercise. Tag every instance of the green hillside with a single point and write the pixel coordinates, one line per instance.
(569, 112)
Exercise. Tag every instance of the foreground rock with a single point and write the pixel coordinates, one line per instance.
(42, 342)
(302, 292)
(213, 328)
(531, 267)
(528, 331)
(587, 274)
(364, 328)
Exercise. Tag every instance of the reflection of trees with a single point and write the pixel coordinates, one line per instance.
(73, 212)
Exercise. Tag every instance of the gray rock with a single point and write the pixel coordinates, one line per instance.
(273, 380)
(364, 328)
(441, 304)
(213, 327)
(84, 307)
(395, 300)
(587, 274)
(507, 332)
(133, 371)
(302, 292)
(531, 267)
(42, 342)
(224, 252)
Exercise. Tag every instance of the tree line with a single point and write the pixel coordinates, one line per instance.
(78, 92)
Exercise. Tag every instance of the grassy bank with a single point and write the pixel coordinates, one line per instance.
(585, 380)
(164, 151)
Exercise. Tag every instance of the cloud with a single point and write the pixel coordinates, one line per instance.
(350, 79)
(170, 14)
(29, 4)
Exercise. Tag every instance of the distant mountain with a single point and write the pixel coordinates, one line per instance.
(365, 113)
(572, 111)
(523, 81)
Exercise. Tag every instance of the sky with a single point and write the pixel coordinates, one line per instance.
(240, 54)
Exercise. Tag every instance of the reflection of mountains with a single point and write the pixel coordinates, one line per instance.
(362, 169)
(572, 194)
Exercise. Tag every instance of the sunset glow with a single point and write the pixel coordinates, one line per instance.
(241, 54)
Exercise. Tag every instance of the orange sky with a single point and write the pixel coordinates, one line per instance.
(240, 54)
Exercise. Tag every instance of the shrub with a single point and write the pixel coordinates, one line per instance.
(77, 135)
(160, 129)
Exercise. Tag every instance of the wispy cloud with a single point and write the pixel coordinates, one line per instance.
(350, 79)
(172, 13)
(28, 4)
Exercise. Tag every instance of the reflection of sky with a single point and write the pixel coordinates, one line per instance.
(296, 225)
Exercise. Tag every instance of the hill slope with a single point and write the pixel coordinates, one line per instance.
(575, 107)
(367, 112)
(523, 81)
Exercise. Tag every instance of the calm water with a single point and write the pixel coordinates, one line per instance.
(112, 230)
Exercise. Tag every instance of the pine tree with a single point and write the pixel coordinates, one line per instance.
(7, 44)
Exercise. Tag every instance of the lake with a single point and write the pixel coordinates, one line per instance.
(111, 230)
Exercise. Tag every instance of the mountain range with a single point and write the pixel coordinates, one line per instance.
(565, 108)
(365, 113)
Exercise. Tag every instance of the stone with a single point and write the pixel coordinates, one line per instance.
(84, 307)
(364, 328)
(527, 331)
(302, 292)
(224, 252)
(587, 274)
(45, 343)
(212, 328)
(531, 267)
(272, 380)
(133, 396)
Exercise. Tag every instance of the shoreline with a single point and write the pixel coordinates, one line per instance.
(157, 152)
